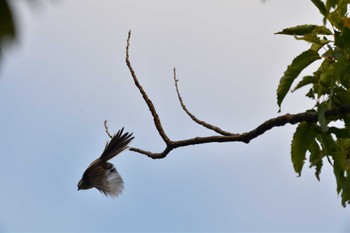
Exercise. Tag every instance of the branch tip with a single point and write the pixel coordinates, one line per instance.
(193, 117)
(145, 97)
(106, 128)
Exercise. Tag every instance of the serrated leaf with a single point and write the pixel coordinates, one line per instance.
(298, 64)
(306, 29)
(338, 169)
(321, 7)
(303, 137)
(322, 30)
(343, 150)
(311, 38)
(316, 158)
(305, 81)
(328, 144)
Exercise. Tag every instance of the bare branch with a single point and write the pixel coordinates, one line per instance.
(149, 103)
(106, 128)
(153, 155)
(248, 136)
(193, 117)
(309, 116)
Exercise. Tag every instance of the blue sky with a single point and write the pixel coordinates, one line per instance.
(67, 75)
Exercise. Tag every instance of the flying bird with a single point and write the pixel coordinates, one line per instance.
(101, 174)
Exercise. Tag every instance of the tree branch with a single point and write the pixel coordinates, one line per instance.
(309, 116)
(148, 101)
(193, 117)
(106, 129)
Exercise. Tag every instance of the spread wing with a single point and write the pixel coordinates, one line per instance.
(105, 177)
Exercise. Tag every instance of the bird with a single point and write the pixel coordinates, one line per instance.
(101, 174)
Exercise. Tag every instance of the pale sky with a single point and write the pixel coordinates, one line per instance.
(68, 74)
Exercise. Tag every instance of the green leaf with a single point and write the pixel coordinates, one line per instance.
(340, 133)
(346, 120)
(342, 39)
(310, 94)
(305, 81)
(311, 38)
(316, 41)
(335, 19)
(321, 116)
(316, 158)
(347, 165)
(327, 77)
(316, 47)
(329, 146)
(342, 72)
(322, 30)
(333, 72)
(305, 29)
(343, 7)
(298, 64)
(321, 7)
(331, 3)
(341, 162)
(303, 137)
(341, 96)
(343, 150)
(345, 196)
(339, 167)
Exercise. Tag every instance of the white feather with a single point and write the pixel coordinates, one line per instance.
(114, 182)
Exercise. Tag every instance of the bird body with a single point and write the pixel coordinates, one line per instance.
(101, 174)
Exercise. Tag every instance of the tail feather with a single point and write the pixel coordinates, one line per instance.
(118, 143)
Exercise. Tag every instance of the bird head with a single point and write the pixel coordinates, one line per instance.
(83, 185)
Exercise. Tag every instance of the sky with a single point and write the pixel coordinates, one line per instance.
(67, 74)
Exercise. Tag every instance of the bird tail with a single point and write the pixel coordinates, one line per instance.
(118, 143)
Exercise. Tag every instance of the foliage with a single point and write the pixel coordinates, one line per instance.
(8, 32)
(329, 86)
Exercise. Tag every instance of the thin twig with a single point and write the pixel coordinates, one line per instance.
(106, 128)
(148, 101)
(193, 117)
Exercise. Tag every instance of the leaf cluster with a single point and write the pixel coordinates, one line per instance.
(329, 86)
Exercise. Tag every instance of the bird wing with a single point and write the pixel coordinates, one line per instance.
(105, 177)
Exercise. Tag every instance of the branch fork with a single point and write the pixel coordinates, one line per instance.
(223, 136)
